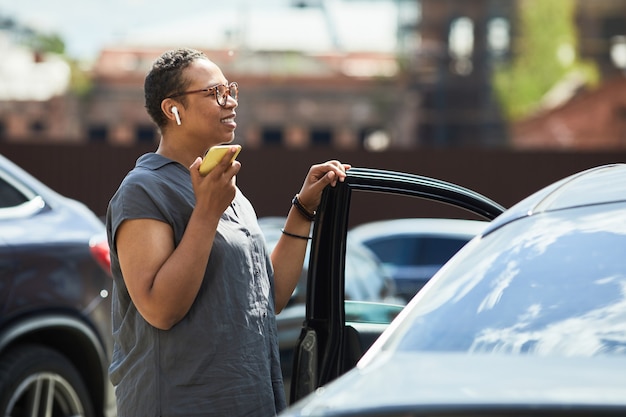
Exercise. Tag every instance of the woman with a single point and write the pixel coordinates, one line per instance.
(195, 291)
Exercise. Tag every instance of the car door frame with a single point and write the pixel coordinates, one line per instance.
(326, 347)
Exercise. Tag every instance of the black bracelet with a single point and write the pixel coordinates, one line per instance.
(305, 213)
(294, 235)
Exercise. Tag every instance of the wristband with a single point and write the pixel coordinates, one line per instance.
(294, 235)
(305, 213)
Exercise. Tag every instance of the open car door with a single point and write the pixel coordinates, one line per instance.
(333, 339)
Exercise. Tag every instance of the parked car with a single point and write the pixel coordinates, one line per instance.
(412, 250)
(529, 318)
(55, 317)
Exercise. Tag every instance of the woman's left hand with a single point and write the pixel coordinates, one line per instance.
(317, 179)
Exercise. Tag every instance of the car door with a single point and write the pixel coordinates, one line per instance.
(329, 344)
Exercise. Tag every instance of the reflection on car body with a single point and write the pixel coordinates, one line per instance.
(529, 318)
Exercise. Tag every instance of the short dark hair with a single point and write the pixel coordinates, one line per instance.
(166, 78)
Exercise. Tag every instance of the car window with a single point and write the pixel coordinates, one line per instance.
(438, 250)
(531, 290)
(16, 199)
(9, 195)
(364, 277)
(368, 312)
(399, 250)
(411, 250)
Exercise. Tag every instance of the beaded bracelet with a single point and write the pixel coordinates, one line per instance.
(294, 235)
(307, 215)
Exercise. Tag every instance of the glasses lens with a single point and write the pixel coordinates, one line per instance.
(220, 95)
(233, 90)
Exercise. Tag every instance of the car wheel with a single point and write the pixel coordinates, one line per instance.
(38, 381)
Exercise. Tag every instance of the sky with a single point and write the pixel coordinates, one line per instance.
(86, 26)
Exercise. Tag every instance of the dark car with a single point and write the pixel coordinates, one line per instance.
(412, 250)
(529, 318)
(55, 312)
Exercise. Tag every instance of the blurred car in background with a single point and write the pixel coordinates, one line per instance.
(528, 319)
(413, 250)
(55, 312)
(366, 280)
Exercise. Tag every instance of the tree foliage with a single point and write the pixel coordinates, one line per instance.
(46, 43)
(53, 43)
(544, 53)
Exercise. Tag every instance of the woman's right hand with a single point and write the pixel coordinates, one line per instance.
(215, 191)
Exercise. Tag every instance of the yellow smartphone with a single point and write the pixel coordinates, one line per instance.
(214, 156)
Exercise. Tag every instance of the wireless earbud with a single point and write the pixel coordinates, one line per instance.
(175, 111)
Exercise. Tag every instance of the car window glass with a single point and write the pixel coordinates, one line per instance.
(400, 256)
(542, 278)
(409, 251)
(436, 251)
(364, 277)
(368, 312)
(10, 196)
(398, 250)
(355, 286)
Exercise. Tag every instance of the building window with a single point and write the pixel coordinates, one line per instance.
(461, 45)
(498, 36)
(272, 136)
(321, 137)
(377, 141)
(37, 126)
(98, 134)
(365, 135)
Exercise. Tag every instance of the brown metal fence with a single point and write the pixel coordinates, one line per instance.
(270, 177)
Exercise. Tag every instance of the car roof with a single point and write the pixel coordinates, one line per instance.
(419, 226)
(28, 180)
(577, 190)
(44, 199)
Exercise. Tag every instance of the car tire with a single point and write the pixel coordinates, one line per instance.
(36, 380)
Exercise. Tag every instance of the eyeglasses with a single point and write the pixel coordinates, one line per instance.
(221, 91)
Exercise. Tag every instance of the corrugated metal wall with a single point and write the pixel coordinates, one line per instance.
(270, 177)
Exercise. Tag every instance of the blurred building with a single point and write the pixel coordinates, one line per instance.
(460, 43)
(575, 116)
(373, 74)
(286, 99)
(592, 120)
(33, 94)
(308, 76)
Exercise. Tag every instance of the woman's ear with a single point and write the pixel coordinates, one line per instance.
(169, 108)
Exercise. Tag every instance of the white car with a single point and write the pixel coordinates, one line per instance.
(412, 250)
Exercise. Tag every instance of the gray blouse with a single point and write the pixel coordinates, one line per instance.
(222, 358)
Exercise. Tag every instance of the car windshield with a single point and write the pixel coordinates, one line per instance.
(549, 284)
